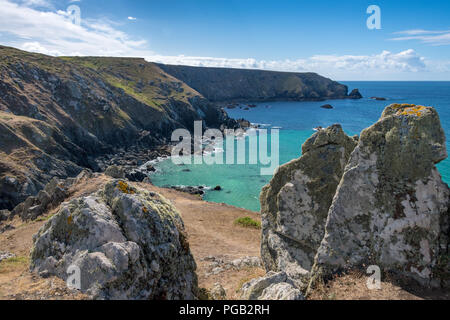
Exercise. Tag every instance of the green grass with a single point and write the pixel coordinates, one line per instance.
(13, 263)
(248, 222)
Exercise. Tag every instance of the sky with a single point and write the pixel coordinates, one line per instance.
(329, 37)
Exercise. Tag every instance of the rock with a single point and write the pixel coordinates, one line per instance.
(6, 255)
(135, 175)
(327, 106)
(150, 168)
(115, 172)
(218, 292)
(128, 243)
(378, 98)
(4, 215)
(273, 286)
(355, 94)
(189, 189)
(218, 188)
(294, 205)
(391, 208)
(281, 291)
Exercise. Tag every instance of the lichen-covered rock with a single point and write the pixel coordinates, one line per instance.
(115, 172)
(273, 286)
(391, 208)
(294, 205)
(127, 242)
(54, 193)
(218, 292)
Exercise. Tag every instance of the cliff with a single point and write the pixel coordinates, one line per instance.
(58, 114)
(226, 85)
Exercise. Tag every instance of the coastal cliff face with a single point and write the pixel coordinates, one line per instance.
(227, 85)
(382, 202)
(58, 114)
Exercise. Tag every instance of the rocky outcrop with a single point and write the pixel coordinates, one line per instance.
(127, 243)
(54, 193)
(392, 208)
(294, 205)
(227, 85)
(355, 94)
(273, 286)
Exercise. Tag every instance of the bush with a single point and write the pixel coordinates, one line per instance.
(248, 222)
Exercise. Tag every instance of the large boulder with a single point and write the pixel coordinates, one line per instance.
(127, 243)
(273, 286)
(294, 205)
(391, 208)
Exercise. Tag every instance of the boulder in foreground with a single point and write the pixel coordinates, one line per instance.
(128, 243)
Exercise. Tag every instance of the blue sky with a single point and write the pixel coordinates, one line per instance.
(324, 36)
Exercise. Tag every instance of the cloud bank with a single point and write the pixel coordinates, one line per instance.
(34, 25)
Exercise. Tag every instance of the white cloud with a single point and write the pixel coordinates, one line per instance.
(52, 33)
(433, 37)
(132, 18)
(329, 65)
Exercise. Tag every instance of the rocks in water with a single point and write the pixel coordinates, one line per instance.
(6, 255)
(273, 286)
(391, 208)
(128, 243)
(327, 106)
(218, 188)
(115, 172)
(218, 265)
(294, 205)
(355, 94)
(378, 98)
(218, 292)
(54, 193)
(189, 189)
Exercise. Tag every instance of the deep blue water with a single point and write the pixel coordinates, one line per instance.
(242, 183)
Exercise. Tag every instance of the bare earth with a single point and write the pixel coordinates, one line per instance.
(212, 233)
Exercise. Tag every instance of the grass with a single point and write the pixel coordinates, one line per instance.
(13, 263)
(248, 222)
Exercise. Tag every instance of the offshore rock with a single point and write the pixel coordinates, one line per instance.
(294, 205)
(128, 244)
(391, 208)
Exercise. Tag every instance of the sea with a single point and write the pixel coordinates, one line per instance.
(241, 184)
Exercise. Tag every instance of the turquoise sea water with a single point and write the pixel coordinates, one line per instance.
(242, 183)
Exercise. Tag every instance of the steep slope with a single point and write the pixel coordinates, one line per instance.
(58, 114)
(223, 84)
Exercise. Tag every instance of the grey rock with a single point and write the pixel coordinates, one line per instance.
(391, 208)
(6, 255)
(115, 172)
(281, 291)
(294, 205)
(128, 244)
